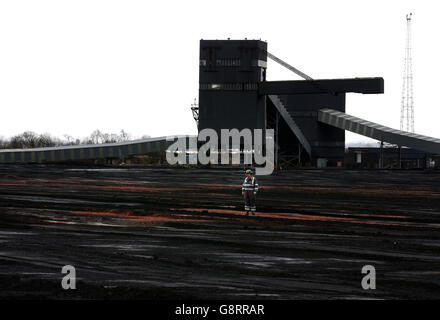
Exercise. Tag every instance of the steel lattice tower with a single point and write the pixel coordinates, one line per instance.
(407, 108)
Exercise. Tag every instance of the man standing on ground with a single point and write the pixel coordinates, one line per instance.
(249, 192)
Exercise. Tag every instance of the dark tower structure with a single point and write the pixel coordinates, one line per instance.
(230, 71)
(234, 93)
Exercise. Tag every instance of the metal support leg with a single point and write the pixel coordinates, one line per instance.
(277, 118)
(381, 155)
(400, 157)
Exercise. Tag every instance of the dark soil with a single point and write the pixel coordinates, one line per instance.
(161, 233)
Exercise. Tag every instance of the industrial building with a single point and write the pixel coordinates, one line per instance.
(308, 116)
(234, 93)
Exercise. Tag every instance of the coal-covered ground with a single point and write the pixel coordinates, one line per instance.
(174, 233)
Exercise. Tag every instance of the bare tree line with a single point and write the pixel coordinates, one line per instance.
(30, 139)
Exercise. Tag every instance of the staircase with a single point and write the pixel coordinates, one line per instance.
(291, 123)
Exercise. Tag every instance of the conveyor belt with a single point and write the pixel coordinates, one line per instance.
(379, 132)
(83, 152)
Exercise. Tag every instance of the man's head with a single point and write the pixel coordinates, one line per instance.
(249, 173)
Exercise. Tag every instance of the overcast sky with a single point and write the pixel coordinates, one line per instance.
(69, 67)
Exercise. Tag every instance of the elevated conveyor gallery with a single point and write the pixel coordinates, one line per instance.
(84, 152)
(379, 132)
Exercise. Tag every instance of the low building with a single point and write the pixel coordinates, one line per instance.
(389, 157)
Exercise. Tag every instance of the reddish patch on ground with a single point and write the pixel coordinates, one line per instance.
(109, 213)
(13, 184)
(10, 176)
(221, 186)
(213, 194)
(296, 216)
(128, 215)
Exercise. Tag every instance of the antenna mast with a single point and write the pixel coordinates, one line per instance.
(407, 108)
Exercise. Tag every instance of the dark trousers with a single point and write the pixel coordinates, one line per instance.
(249, 201)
